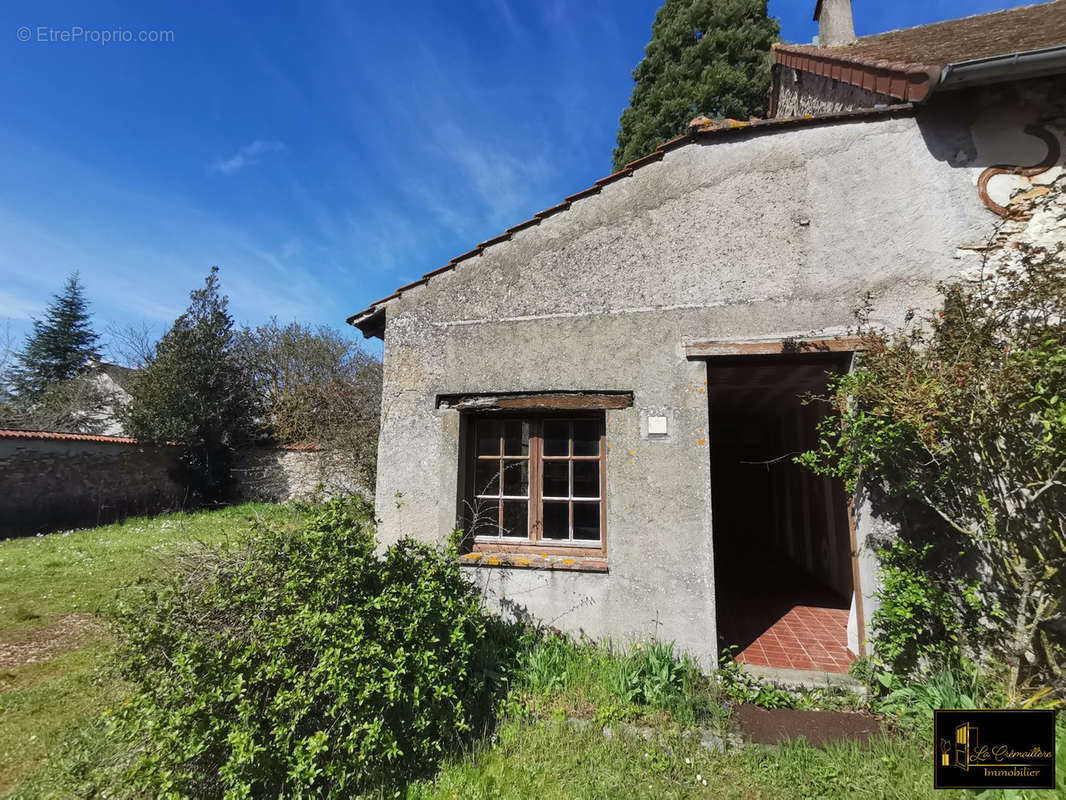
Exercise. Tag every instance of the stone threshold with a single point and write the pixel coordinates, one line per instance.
(806, 679)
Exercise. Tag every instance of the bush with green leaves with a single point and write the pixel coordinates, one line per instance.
(916, 625)
(956, 428)
(300, 663)
(915, 702)
(648, 676)
(741, 686)
(547, 663)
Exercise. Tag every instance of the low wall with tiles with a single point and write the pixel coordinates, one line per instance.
(52, 481)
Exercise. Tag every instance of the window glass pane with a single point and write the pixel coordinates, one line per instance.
(587, 521)
(516, 478)
(556, 520)
(486, 521)
(556, 438)
(586, 479)
(556, 478)
(587, 437)
(487, 476)
(488, 437)
(516, 438)
(515, 518)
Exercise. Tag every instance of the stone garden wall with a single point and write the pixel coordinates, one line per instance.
(53, 481)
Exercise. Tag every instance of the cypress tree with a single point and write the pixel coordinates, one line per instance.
(709, 57)
(60, 347)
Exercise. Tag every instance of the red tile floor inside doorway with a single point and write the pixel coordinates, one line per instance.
(780, 616)
(806, 637)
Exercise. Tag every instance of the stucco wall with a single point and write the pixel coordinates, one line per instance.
(768, 236)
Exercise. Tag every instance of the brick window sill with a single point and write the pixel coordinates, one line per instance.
(534, 561)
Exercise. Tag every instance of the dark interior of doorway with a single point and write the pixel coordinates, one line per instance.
(782, 542)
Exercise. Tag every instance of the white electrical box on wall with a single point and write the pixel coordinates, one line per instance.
(657, 426)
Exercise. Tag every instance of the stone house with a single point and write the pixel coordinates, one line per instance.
(106, 388)
(605, 396)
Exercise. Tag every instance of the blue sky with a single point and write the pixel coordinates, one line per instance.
(321, 154)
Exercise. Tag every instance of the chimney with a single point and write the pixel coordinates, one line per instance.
(835, 26)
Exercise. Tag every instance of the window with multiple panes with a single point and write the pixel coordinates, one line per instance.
(537, 481)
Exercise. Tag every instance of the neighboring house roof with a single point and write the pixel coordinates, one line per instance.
(909, 64)
(122, 376)
(111, 384)
(69, 437)
(371, 320)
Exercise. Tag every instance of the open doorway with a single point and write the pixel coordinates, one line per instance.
(782, 538)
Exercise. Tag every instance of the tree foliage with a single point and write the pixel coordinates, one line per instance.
(194, 391)
(316, 386)
(965, 416)
(7, 357)
(48, 385)
(62, 344)
(709, 57)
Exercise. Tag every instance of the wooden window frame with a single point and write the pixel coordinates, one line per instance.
(535, 543)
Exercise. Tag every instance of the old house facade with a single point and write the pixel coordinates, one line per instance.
(605, 397)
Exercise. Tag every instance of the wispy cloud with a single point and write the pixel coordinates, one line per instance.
(246, 156)
(14, 306)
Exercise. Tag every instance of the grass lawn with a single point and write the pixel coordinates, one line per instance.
(55, 591)
(547, 759)
(552, 745)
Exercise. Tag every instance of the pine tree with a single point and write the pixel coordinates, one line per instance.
(60, 347)
(709, 57)
(194, 391)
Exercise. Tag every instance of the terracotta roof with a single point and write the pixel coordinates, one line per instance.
(300, 447)
(70, 437)
(305, 447)
(371, 320)
(906, 63)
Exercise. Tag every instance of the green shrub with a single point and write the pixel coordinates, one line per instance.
(916, 627)
(954, 425)
(653, 674)
(947, 688)
(545, 665)
(300, 664)
(743, 687)
(622, 684)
